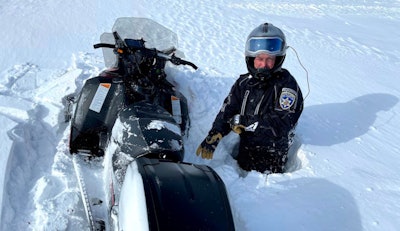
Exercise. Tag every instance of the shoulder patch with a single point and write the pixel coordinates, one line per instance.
(287, 98)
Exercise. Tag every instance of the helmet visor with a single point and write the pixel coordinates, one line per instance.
(272, 46)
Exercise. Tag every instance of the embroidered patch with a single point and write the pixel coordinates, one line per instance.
(287, 98)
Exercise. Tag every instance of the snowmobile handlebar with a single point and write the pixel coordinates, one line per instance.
(176, 60)
(132, 45)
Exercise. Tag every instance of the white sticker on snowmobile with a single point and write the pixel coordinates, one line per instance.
(100, 97)
(176, 109)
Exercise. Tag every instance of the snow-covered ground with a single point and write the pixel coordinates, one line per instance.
(345, 174)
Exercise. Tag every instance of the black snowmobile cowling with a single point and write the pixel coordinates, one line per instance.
(101, 100)
(97, 108)
(156, 133)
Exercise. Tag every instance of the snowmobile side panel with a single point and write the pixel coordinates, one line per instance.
(132, 211)
(176, 104)
(183, 196)
(99, 102)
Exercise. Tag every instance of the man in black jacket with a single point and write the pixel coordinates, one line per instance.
(263, 106)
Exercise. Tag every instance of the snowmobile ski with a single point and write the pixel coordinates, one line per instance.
(92, 199)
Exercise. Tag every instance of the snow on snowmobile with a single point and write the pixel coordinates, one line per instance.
(127, 127)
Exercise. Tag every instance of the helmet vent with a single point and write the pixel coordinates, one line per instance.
(265, 27)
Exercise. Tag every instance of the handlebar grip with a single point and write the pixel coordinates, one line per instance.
(178, 61)
(105, 45)
(184, 62)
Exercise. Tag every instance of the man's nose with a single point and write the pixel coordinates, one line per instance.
(263, 64)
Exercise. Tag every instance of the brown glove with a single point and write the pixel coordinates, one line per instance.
(236, 125)
(209, 144)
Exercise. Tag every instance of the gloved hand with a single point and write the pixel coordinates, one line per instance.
(238, 128)
(209, 144)
(236, 125)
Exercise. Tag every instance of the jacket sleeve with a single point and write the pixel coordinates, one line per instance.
(282, 121)
(287, 109)
(230, 107)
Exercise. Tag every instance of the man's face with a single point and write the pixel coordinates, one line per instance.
(264, 61)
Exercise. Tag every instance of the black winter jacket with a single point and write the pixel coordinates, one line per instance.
(275, 104)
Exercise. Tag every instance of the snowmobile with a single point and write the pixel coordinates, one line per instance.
(128, 127)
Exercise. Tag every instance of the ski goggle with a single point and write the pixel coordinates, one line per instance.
(272, 46)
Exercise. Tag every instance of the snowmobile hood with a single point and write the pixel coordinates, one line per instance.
(148, 129)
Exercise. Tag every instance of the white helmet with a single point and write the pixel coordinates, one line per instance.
(269, 39)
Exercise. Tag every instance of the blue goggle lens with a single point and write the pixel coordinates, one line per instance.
(269, 45)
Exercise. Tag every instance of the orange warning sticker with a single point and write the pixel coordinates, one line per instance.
(106, 85)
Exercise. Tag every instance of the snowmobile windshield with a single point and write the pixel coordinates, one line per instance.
(154, 35)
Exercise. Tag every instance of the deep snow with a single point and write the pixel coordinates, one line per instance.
(345, 174)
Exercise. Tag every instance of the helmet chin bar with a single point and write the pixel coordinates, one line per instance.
(263, 74)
